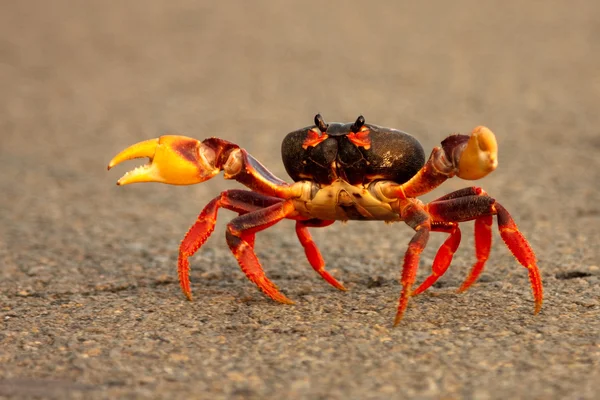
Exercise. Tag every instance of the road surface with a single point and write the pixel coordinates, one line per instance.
(89, 302)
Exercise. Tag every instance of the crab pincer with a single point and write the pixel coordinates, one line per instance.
(176, 160)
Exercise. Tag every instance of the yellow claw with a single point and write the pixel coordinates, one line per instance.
(147, 148)
(480, 157)
(176, 160)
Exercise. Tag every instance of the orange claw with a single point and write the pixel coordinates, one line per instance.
(480, 156)
(176, 160)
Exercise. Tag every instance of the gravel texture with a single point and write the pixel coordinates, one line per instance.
(89, 302)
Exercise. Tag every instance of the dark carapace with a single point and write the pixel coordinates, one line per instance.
(357, 152)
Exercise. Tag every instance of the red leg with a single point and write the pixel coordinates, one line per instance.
(520, 248)
(312, 252)
(483, 242)
(193, 240)
(240, 201)
(443, 258)
(417, 218)
(242, 229)
(468, 191)
(483, 226)
(481, 207)
(483, 245)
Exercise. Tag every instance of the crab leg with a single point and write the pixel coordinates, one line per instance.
(519, 247)
(483, 245)
(243, 202)
(240, 201)
(443, 258)
(417, 218)
(240, 233)
(480, 207)
(312, 252)
(180, 160)
(483, 239)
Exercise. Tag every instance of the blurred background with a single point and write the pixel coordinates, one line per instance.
(83, 80)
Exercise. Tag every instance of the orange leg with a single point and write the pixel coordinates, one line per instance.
(417, 218)
(483, 240)
(474, 204)
(240, 201)
(444, 255)
(241, 231)
(312, 252)
(443, 258)
(520, 248)
(483, 245)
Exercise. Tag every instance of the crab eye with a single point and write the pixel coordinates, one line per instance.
(360, 121)
(320, 123)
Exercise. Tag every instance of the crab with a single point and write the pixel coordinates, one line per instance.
(341, 172)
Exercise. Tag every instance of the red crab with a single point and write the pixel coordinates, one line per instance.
(353, 171)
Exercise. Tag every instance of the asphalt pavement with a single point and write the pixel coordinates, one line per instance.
(90, 306)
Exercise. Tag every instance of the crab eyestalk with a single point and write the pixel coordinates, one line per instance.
(480, 155)
(176, 160)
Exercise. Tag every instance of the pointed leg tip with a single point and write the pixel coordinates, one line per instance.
(464, 287)
(336, 284)
(277, 296)
(426, 284)
(284, 300)
(399, 315)
(397, 319)
(330, 279)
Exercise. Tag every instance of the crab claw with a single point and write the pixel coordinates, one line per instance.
(176, 160)
(480, 156)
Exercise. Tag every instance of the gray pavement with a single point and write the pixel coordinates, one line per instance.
(89, 302)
